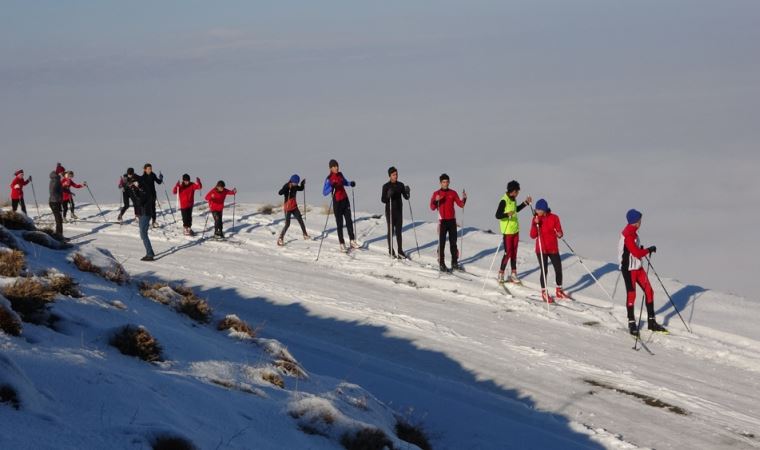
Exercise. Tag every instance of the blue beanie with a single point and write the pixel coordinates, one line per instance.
(542, 205)
(295, 179)
(633, 216)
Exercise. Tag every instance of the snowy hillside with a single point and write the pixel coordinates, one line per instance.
(359, 347)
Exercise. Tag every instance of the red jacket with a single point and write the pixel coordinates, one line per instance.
(629, 250)
(445, 206)
(339, 182)
(67, 184)
(215, 199)
(187, 193)
(18, 193)
(551, 231)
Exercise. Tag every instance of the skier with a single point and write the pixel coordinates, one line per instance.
(17, 190)
(290, 206)
(135, 190)
(185, 190)
(630, 254)
(56, 199)
(391, 195)
(335, 185)
(509, 224)
(68, 197)
(215, 199)
(125, 181)
(546, 229)
(444, 200)
(149, 181)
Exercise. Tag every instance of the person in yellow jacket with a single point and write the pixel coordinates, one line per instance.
(509, 224)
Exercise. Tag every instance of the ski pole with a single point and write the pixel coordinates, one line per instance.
(353, 200)
(234, 205)
(304, 201)
(668, 294)
(390, 225)
(203, 235)
(324, 230)
(596, 281)
(37, 205)
(493, 261)
(414, 227)
(168, 202)
(96, 203)
(641, 313)
(461, 244)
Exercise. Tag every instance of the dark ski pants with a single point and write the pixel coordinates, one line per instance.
(125, 200)
(66, 205)
(218, 228)
(398, 222)
(448, 227)
(16, 203)
(144, 221)
(556, 261)
(297, 214)
(152, 200)
(56, 208)
(510, 251)
(342, 211)
(187, 217)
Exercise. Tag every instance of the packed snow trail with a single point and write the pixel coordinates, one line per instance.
(484, 370)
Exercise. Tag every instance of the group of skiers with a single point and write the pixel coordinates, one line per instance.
(545, 228)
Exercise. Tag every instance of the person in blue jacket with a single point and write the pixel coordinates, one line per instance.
(335, 185)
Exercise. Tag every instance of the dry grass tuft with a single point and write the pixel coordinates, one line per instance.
(138, 342)
(85, 265)
(413, 434)
(64, 284)
(181, 298)
(366, 439)
(9, 322)
(290, 368)
(12, 263)
(16, 221)
(29, 298)
(9, 395)
(116, 274)
(273, 379)
(267, 209)
(233, 322)
(195, 308)
(171, 443)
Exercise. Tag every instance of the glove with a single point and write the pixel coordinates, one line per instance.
(198, 180)
(160, 176)
(652, 249)
(234, 191)
(303, 182)
(406, 190)
(30, 178)
(352, 184)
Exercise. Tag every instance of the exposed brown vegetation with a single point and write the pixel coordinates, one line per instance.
(366, 439)
(16, 221)
(274, 379)
(29, 298)
(171, 443)
(138, 342)
(9, 395)
(116, 273)
(64, 284)
(290, 368)
(266, 209)
(232, 322)
(181, 298)
(85, 265)
(9, 323)
(413, 434)
(12, 263)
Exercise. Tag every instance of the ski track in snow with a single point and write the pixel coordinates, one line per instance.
(532, 364)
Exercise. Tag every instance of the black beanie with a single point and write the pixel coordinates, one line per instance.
(220, 183)
(443, 177)
(391, 170)
(186, 177)
(333, 163)
(130, 171)
(513, 186)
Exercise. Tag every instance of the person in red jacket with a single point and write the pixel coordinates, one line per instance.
(215, 199)
(185, 192)
(290, 206)
(546, 229)
(17, 190)
(335, 185)
(67, 182)
(444, 200)
(630, 253)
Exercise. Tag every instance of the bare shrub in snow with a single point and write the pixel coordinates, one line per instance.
(413, 434)
(266, 209)
(9, 395)
(234, 323)
(138, 342)
(195, 308)
(16, 221)
(63, 284)
(181, 298)
(290, 368)
(274, 379)
(171, 443)
(366, 439)
(29, 298)
(12, 263)
(85, 265)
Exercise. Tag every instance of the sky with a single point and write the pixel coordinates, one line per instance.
(596, 106)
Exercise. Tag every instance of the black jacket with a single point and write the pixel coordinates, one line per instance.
(291, 192)
(139, 197)
(148, 183)
(392, 193)
(56, 189)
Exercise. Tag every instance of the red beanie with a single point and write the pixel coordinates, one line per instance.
(19, 172)
(59, 169)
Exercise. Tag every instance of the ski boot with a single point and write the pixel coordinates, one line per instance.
(633, 328)
(655, 327)
(155, 224)
(280, 242)
(560, 294)
(354, 244)
(442, 267)
(546, 297)
(74, 216)
(187, 231)
(343, 247)
(401, 254)
(500, 277)
(306, 237)
(190, 230)
(513, 278)
(120, 219)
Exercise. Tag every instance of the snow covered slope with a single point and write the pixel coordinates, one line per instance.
(379, 340)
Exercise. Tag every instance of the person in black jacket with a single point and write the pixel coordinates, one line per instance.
(392, 194)
(148, 183)
(125, 180)
(144, 204)
(56, 199)
(290, 206)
